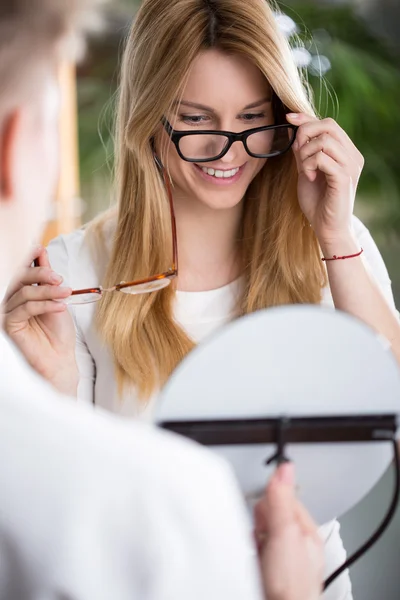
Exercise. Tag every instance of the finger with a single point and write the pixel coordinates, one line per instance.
(37, 254)
(333, 129)
(306, 522)
(324, 163)
(33, 309)
(34, 254)
(284, 474)
(279, 501)
(327, 144)
(300, 118)
(260, 516)
(31, 293)
(31, 276)
(311, 127)
(42, 275)
(14, 286)
(43, 260)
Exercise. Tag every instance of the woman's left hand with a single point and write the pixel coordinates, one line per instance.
(329, 167)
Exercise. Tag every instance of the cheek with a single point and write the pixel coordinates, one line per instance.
(260, 163)
(180, 169)
(49, 141)
(39, 179)
(48, 166)
(51, 154)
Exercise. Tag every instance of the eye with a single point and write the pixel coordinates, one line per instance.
(193, 119)
(253, 116)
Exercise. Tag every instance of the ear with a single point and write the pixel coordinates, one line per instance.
(157, 159)
(8, 138)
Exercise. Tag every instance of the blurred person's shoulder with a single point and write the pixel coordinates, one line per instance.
(133, 444)
(149, 492)
(162, 460)
(82, 256)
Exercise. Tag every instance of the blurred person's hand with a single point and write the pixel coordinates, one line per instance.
(39, 326)
(290, 549)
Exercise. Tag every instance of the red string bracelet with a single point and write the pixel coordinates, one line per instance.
(334, 257)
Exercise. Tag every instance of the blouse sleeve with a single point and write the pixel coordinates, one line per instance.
(335, 556)
(375, 262)
(59, 260)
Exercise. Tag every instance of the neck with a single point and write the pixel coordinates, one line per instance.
(207, 245)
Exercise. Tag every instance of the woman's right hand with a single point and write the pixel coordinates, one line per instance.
(41, 328)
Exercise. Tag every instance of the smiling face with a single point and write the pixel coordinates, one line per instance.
(223, 92)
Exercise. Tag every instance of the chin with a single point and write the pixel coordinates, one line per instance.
(219, 202)
(222, 198)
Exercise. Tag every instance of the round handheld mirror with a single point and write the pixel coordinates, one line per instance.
(298, 361)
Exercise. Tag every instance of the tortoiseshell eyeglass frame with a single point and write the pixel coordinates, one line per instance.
(163, 278)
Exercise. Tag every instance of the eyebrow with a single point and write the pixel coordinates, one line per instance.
(211, 110)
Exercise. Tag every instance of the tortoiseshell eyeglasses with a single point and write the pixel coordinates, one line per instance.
(139, 286)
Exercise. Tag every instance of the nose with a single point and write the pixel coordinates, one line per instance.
(236, 155)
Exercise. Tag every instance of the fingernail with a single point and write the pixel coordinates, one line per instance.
(285, 473)
(293, 115)
(55, 278)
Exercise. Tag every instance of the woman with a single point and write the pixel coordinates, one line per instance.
(256, 215)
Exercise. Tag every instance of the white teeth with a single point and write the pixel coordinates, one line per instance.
(220, 174)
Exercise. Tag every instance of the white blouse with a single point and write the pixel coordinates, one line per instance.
(199, 313)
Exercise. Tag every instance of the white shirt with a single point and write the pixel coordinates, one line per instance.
(199, 313)
(94, 507)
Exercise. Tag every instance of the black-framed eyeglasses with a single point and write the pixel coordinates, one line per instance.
(209, 145)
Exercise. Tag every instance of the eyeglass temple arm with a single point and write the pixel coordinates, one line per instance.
(173, 221)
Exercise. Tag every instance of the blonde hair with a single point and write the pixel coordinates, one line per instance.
(34, 33)
(280, 251)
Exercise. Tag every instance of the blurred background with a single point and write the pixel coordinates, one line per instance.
(350, 53)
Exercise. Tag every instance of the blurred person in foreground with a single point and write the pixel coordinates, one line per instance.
(91, 507)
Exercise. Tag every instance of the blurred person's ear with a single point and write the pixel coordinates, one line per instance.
(8, 143)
